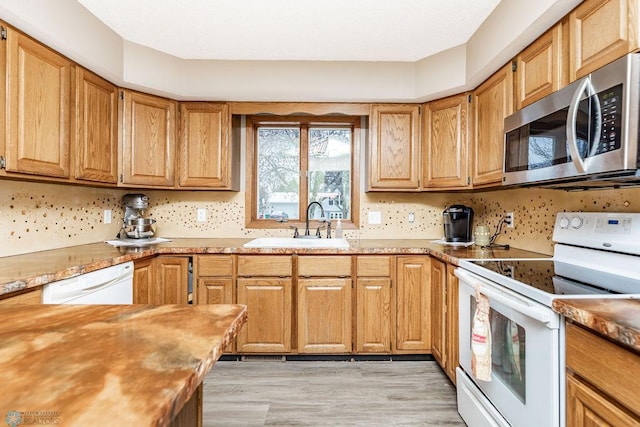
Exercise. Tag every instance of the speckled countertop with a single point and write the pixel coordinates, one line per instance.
(38, 268)
(617, 319)
(120, 365)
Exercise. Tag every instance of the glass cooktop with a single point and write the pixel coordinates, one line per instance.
(539, 274)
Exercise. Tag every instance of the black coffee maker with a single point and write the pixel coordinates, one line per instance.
(458, 220)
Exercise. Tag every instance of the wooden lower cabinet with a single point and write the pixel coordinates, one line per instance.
(444, 317)
(438, 311)
(268, 328)
(413, 304)
(373, 315)
(213, 278)
(142, 280)
(170, 281)
(324, 315)
(31, 296)
(451, 327)
(602, 385)
(161, 280)
(588, 407)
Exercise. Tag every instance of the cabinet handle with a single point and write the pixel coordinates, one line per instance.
(3, 33)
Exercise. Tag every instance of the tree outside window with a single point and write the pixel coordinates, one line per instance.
(299, 162)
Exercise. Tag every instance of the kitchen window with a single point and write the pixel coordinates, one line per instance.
(298, 160)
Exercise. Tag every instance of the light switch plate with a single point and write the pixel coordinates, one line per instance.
(202, 215)
(375, 217)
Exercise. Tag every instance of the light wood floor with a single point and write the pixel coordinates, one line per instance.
(399, 393)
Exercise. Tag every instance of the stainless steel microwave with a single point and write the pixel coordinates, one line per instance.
(583, 136)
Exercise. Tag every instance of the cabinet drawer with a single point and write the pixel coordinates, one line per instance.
(215, 265)
(274, 266)
(326, 266)
(374, 266)
(611, 368)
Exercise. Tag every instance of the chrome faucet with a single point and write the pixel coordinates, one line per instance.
(322, 218)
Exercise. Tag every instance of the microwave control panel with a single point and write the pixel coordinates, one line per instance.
(610, 120)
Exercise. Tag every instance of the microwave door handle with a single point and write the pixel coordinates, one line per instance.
(572, 120)
(597, 109)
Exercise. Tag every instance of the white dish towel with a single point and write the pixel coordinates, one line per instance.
(481, 339)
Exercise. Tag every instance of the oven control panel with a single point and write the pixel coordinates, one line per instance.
(599, 230)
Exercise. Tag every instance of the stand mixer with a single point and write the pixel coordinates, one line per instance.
(134, 224)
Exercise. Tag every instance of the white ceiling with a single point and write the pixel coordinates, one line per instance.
(318, 30)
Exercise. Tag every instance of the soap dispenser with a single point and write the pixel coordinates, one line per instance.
(339, 230)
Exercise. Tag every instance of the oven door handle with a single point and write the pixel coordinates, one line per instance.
(508, 299)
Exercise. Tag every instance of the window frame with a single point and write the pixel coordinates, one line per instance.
(304, 122)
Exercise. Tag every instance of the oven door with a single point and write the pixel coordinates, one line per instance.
(525, 356)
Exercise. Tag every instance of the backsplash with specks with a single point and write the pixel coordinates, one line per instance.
(38, 216)
(35, 217)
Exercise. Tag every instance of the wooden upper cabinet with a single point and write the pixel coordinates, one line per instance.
(39, 93)
(148, 139)
(601, 31)
(96, 128)
(206, 157)
(539, 69)
(394, 151)
(492, 102)
(444, 143)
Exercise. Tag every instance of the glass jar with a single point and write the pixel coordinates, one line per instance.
(482, 235)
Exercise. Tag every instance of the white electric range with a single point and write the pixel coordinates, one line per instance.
(596, 255)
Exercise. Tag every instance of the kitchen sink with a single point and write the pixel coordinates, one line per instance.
(290, 242)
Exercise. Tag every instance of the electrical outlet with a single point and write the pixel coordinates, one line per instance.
(107, 216)
(375, 217)
(202, 215)
(411, 217)
(510, 220)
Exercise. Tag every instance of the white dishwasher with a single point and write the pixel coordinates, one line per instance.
(111, 285)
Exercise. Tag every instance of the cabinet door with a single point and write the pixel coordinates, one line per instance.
(601, 31)
(171, 281)
(395, 148)
(96, 130)
(451, 334)
(588, 407)
(539, 68)
(444, 143)
(324, 315)
(214, 290)
(142, 280)
(493, 101)
(205, 156)
(31, 296)
(413, 301)
(438, 311)
(373, 315)
(148, 139)
(39, 94)
(268, 328)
